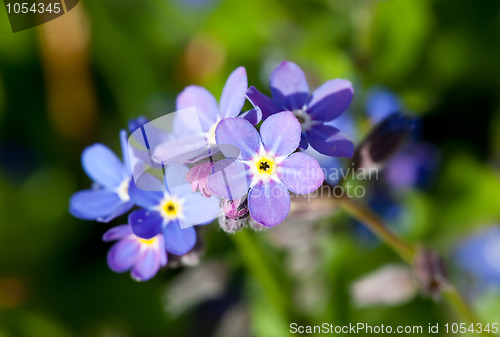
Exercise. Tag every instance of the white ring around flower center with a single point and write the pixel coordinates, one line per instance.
(122, 190)
(264, 166)
(304, 119)
(171, 208)
(211, 134)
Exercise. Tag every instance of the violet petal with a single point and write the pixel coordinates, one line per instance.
(330, 100)
(281, 133)
(269, 203)
(301, 173)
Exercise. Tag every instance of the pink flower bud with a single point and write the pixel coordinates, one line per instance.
(197, 176)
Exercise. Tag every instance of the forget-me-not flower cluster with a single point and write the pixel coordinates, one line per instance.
(254, 160)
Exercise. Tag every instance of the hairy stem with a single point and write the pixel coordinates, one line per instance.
(408, 253)
(365, 215)
(458, 304)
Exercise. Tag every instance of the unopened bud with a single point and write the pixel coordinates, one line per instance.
(197, 176)
(383, 142)
(431, 272)
(229, 225)
(235, 209)
(235, 214)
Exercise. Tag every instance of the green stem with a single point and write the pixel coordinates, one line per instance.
(365, 215)
(257, 262)
(407, 252)
(456, 301)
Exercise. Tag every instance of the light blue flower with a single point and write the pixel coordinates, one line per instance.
(479, 255)
(172, 212)
(109, 196)
(266, 166)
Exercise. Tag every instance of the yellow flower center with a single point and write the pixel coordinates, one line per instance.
(265, 165)
(148, 241)
(170, 208)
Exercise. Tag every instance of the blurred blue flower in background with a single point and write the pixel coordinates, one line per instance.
(478, 255)
(109, 196)
(197, 4)
(387, 207)
(403, 164)
(380, 103)
(413, 166)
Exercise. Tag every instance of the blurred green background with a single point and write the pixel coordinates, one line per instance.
(79, 79)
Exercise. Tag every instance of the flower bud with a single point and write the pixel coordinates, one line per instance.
(235, 209)
(229, 225)
(390, 285)
(383, 142)
(431, 272)
(197, 176)
(235, 214)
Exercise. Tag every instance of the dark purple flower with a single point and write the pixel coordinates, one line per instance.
(265, 165)
(109, 198)
(413, 166)
(173, 212)
(290, 91)
(143, 257)
(383, 142)
(333, 166)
